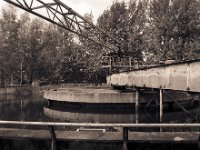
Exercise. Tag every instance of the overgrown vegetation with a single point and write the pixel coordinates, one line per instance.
(151, 31)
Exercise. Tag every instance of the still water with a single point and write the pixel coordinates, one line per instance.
(35, 108)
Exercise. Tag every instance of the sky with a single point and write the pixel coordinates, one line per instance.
(84, 6)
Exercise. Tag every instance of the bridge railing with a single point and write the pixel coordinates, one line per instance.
(124, 126)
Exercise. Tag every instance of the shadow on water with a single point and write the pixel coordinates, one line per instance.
(97, 113)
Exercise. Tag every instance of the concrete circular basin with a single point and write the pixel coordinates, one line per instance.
(90, 95)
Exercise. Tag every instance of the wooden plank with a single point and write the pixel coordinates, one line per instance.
(99, 136)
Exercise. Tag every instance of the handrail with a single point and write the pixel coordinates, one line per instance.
(125, 125)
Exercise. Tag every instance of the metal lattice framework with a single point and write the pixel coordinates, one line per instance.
(62, 15)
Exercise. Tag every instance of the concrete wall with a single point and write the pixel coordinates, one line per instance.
(179, 76)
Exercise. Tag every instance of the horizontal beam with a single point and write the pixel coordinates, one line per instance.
(182, 76)
(140, 125)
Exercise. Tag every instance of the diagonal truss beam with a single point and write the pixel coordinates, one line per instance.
(56, 12)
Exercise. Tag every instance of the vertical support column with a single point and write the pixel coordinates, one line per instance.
(49, 103)
(137, 105)
(161, 107)
(53, 138)
(110, 64)
(2, 75)
(130, 63)
(198, 142)
(125, 138)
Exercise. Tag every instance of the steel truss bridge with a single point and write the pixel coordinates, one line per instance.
(58, 13)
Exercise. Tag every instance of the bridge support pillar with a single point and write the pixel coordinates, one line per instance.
(137, 105)
(161, 107)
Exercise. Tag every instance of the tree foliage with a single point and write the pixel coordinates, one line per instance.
(175, 25)
(149, 31)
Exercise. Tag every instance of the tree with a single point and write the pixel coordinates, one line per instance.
(9, 48)
(173, 26)
(57, 54)
(137, 12)
(36, 44)
(114, 21)
(186, 30)
(24, 45)
(127, 22)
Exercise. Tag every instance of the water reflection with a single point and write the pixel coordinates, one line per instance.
(34, 108)
(87, 113)
(22, 108)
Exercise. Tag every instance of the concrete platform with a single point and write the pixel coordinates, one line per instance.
(8, 133)
(89, 95)
(101, 95)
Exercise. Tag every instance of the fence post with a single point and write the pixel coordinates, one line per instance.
(53, 138)
(161, 107)
(125, 138)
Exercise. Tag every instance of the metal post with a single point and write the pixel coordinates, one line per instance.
(161, 107)
(53, 138)
(137, 105)
(110, 64)
(125, 138)
(130, 64)
(49, 103)
(198, 142)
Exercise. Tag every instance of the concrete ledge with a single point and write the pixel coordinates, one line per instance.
(92, 95)
(84, 95)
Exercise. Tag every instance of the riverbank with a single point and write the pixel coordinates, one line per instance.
(28, 90)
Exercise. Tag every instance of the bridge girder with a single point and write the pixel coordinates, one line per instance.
(182, 76)
(56, 12)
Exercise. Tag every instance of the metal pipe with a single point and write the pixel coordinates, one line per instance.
(140, 125)
(137, 105)
(161, 107)
(125, 139)
(53, 138)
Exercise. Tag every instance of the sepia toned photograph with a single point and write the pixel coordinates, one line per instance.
(100, 75)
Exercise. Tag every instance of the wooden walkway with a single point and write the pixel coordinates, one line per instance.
(7, 133)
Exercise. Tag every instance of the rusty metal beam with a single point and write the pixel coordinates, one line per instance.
(58, 13)
(183, 76)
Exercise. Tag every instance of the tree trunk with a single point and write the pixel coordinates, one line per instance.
(2, 76)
